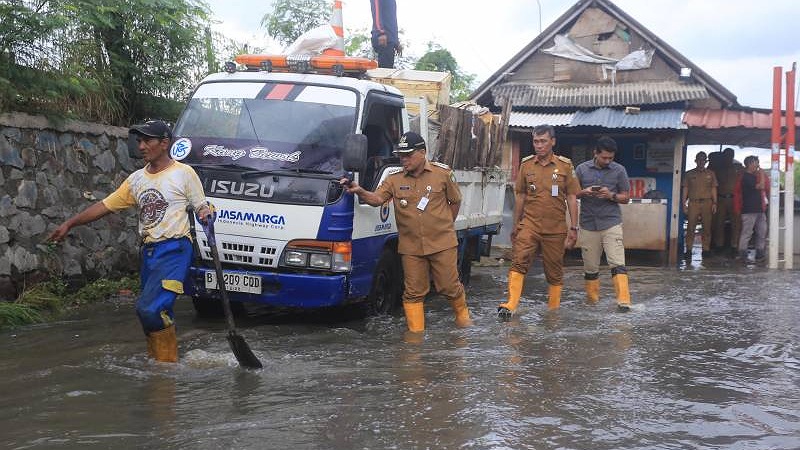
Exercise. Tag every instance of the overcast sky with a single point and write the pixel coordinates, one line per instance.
(737, 42)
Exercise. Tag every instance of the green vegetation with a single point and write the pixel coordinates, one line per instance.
(440, 59)
(51, 299)
(102, 62)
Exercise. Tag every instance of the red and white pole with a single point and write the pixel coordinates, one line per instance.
(788, 192)
(774, 195)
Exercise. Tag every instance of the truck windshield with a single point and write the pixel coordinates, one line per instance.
(268, 126)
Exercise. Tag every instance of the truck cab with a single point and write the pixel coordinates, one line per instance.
(270, 149)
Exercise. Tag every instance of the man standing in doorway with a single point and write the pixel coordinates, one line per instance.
(546, 186)
(699, 198)
(385, 38)
(604, 186)
(426, 201)
(751, 192)
(727, 172)
(161, 191)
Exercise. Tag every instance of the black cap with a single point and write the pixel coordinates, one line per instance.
(409, 142)
(153, 128)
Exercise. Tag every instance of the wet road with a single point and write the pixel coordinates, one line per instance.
(707, 358)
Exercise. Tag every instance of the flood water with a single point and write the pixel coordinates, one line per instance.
(707, 358)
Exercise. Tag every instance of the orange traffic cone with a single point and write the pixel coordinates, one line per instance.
(338, 28)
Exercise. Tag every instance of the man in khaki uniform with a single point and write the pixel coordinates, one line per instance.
(726, 173)
(546, 186)
(699, 187)
(426, 200)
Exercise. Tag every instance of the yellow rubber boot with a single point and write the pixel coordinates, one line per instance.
(415, 316)
(462, 312)
(593, 290)
(553, 296)
(515, 282)
(621, 289)
(164, 344)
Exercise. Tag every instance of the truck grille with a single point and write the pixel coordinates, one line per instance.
(233, 251)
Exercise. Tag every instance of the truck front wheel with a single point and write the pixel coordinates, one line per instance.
(386, 294)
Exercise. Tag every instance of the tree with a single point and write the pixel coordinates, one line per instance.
(146, 48)
(441, 60)
(291, 18)
(106, 61)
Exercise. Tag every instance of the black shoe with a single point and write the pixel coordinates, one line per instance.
(623, 307)
(760, 257)
(504, 314)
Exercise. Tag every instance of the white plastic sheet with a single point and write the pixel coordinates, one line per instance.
(313, 41)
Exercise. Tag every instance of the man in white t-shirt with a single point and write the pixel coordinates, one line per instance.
(160, 191)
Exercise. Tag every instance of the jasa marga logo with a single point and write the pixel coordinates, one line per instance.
(252, 219)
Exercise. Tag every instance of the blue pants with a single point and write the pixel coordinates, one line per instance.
(163, 269)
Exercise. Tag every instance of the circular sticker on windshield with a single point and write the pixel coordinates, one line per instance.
(180, 149)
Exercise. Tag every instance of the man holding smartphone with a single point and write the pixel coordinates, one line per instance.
(604, 185)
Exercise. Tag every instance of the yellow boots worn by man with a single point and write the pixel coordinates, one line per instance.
(427, 242)
(604, 186)
(545, 190)
(516, 281)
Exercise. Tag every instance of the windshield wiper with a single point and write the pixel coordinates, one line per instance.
(220, 166)
(257, 173)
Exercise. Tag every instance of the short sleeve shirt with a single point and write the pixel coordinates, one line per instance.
(699, 183)
(599, 214)
(428, 231)
(161, 199)
(545, 186)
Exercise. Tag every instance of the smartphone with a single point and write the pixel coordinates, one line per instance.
(595, 188)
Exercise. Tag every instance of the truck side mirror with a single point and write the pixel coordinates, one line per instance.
(355, 152)
(133, 147)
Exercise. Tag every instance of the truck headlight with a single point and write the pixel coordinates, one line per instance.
(296, 258)
(320, 255)
(320, 260)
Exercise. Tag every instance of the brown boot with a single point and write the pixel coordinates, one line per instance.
(415, 316)
(593, 290)
(164, 344)
(621, 289)
(553, 296)
(515, 283)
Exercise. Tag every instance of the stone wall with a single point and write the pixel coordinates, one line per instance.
(48, 172)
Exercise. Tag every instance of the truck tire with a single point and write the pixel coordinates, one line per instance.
(465, 260)
(385, 296)
(211, 308)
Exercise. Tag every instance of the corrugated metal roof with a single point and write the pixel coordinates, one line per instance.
(726, 118)
(524, 95)
(615, 118)
(603, 117)
(530, 120)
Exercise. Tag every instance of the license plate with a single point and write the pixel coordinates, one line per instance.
(235, 282)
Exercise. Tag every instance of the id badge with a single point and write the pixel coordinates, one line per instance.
(423, 202)
(554, 190)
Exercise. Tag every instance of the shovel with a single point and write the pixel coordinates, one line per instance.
(240, 349)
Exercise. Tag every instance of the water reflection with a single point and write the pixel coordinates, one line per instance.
(707, 358)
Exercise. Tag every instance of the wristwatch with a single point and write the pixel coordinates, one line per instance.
(573, 228)
(614, 197)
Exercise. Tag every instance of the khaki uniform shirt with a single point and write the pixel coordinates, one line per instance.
(699, 184)
(726, 177)
(428, 231)
(546, 185)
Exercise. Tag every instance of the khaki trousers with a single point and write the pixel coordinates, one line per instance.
(594, 243)
(700, 208)
(524, 249)
(443, 266)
